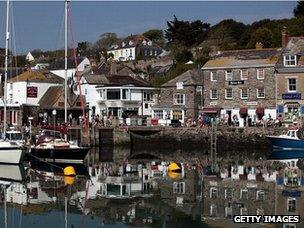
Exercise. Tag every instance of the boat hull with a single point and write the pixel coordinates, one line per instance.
(61, 155)
(287, 143)
(11, 155)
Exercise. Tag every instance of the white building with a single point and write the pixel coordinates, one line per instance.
(134, 47)
(29, 57)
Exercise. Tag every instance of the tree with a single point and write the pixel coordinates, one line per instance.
(106, 40)
(299, 9)
(186, 33)
(262, 35)
(156, 35)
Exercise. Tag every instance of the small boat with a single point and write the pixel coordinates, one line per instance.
(288, 141)
(15, 136)
(51, 148)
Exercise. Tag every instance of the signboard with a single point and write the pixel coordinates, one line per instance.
(213, 103)
(236, 83)
(291, 193)
(179, 85)
(252, 103)
(291, 96)
(32, 91)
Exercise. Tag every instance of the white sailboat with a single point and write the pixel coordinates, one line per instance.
(10, 152)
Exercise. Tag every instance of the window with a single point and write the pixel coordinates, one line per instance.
(151, 52)
(260, 93)
(290, 60)
(213, 76)
(155, 52)
(179, 99)
(260, 195)
(179, 187)
(213, 210)
(260, 211)
(228, 212)
(292, 85)
(85, 91)
(146, 105)
(103, 94)
(244, 194)
(260, 74)
(213, 94)
(158, 114)
(228, 93)
(244, 93)
(125, 94)
(177, 114)
(290, 225)
(244, 211)
(130, 52)
(229, 75)
(291, 204)
(244, 74)
(148, 96)
(113, 94)
(228, 193)
(213, 192)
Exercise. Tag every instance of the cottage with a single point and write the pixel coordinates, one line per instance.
(134, 47)
(240, 85)
(290, 78)
(122, 95)
(179, 98)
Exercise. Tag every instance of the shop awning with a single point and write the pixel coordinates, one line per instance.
(211, 110)
(260, 111)
(243, 111)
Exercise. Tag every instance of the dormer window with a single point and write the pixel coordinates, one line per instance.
(150, 43)
(144, 42)
(130, 42)
(123, 44)
(290, 60)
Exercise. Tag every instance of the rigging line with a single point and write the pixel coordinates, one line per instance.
(59, 41)
(14, 48)
(77, 74)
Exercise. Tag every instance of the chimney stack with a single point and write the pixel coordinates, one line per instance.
(113, 69)
(284, 37)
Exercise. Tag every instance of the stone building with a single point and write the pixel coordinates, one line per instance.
(224, 198)
(290, 78)
(240, 84)
(180, 98)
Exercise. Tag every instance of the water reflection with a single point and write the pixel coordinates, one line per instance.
(119, 191)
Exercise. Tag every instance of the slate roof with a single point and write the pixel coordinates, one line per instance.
(244, 58)
(60, 63)
(37, 76)
(135, 39)
(190, 77)
(53, 94)
(122, 80)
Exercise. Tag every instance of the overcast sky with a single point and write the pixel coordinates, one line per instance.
(40, 24)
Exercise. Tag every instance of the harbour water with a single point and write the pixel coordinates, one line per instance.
(113, 190)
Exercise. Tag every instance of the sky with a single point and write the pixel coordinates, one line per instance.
(39, 25)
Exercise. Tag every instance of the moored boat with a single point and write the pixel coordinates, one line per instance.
(290, 140)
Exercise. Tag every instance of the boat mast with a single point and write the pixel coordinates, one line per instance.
(7, 35)
(65, 61)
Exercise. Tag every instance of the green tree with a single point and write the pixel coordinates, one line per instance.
(262, 35)
(186, 33)
(299, 9)
(106, 40)
(156, 35)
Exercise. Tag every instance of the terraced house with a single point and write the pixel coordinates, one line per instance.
(239, 84)
(290, 78)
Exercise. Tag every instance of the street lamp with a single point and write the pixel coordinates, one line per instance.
(30, 118)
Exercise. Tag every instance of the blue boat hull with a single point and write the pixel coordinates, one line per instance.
(289, 143)
(280, 154)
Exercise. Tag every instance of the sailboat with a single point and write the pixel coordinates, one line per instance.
(10, 152)
(54, 149)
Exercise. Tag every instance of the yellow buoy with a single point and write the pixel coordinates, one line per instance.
(69, 171)
(174, 167)
(174, 175)
(69, 180)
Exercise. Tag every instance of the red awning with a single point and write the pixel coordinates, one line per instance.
(260, 111)
(211, 110)
(243, 111)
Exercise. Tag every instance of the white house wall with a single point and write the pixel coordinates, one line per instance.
(123, 54)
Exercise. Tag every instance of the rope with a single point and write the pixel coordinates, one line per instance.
(45, 161)
(77, 74)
